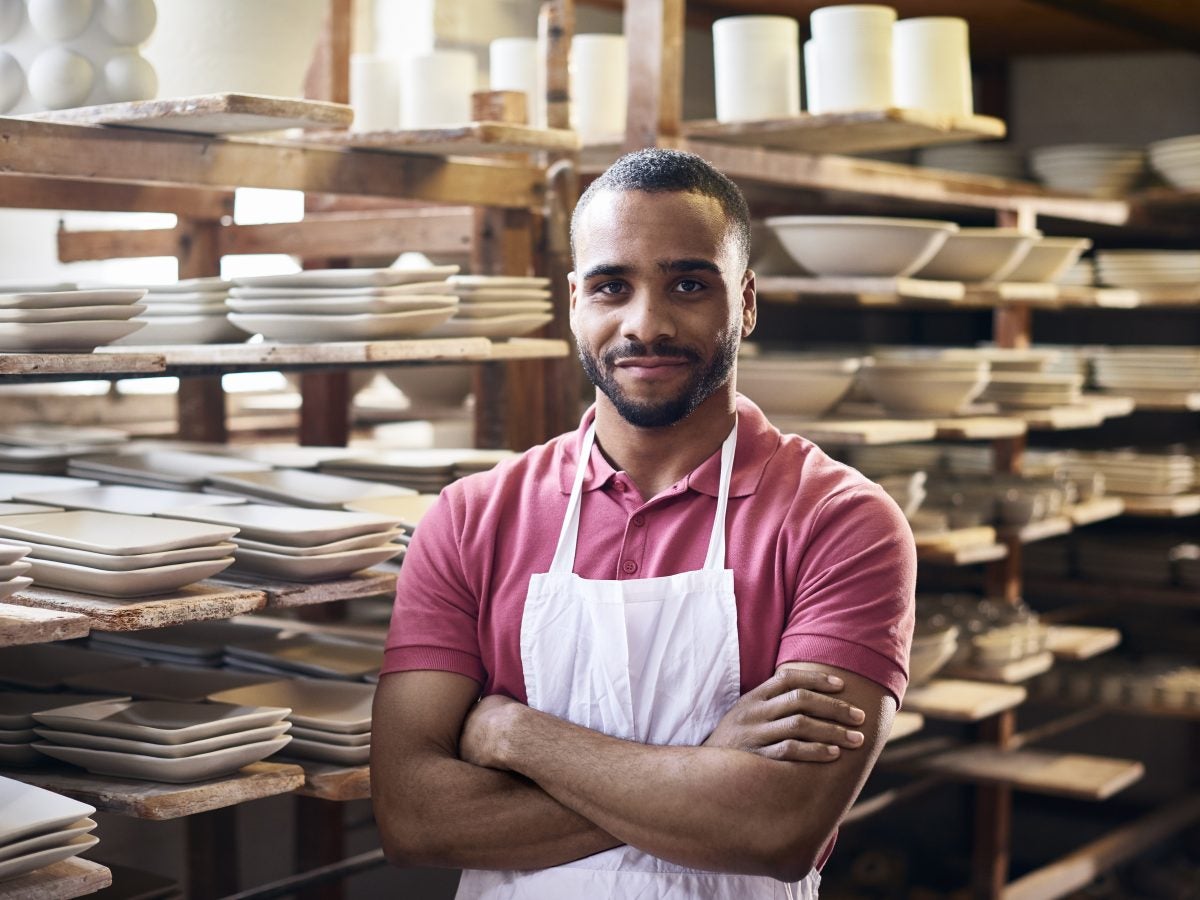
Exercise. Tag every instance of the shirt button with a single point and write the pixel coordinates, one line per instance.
(629, 567)
(639, 520)
(620, 486)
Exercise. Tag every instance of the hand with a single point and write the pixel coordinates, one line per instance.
(790, 717)
(484, 731)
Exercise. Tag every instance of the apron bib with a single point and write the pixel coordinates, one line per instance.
(653, 660)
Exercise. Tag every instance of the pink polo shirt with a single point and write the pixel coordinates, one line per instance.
(823, 560)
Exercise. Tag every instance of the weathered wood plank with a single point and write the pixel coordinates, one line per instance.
(30, 625)
(72, 877)
(199, 602)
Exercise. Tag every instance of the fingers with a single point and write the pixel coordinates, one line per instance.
(810, 730)
(800, 751)
(796, 699)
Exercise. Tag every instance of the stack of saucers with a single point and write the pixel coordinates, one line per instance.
(302, 544)
(1131, 472)
(1178, 161)
(1147, 372)
(161, 740)
(186, 312)
(427, 471)
(1102, 170)
(1032, 390)
(190, 644)
(123, 498)
(408, 511)
(294, 487)
(996, 160)
(40, 828)
(498, 306)
(17, 723)
(46, 449)
(167, 469)
(115, 555)
(343, 304)
(315, 655)
(33, 319)
(331, 720)
(1148, 268)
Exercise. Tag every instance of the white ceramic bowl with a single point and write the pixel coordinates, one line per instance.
(979, 254)
(861, 246)
(1049, 259)
(433, 386)
(796, 387)
(929, 653)
(923, 392)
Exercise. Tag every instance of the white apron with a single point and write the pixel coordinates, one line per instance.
(653, 660)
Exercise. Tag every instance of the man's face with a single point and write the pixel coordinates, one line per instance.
(660, 300)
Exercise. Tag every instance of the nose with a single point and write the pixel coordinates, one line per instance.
(648, 317)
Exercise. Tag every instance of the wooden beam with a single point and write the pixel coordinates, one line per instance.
(556, 27)
(139, 156)
(201, 411)
(654, 29)
(24, 192)
(992, 845)
(80, 246)
(1130, 17)
(328, 76)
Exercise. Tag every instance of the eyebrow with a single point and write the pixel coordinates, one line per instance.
(614, 270)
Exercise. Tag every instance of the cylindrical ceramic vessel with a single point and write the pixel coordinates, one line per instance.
(599, 84)
(513, 66)
(932, 65)
(436, 88)
(375, 92)
(757, 67)
(854, 45)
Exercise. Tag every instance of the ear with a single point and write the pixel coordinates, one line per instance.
(749, 303)
(573, 284)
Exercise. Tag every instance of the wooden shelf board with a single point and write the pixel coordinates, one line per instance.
(154, 800)
(1165, 401)
(979, 428)
(105, 361)
(906, 724)
(962, 556)
(859, 431)
(1076, 642)
(1052, 527)
(72, 877)
(30, 625)
(860, 291)
(530, 348)
(339, 783)
(1009, 673)
(853, 132)
(290, 594)
(474, 139)
(1013, 293)
(1091, 511)
(1078, 295)
(195, 603)
(1174, 506)
(1185, 296)
(1061, 418)
(1074, 775)
(1112, 592)
(957, 700)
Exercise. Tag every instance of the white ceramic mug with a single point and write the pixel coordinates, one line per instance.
(854, 46)
(599, 84)
(757, 67)
(436, 88)
(932, 65)
(513, 66)
(812, 78)
(375, 92)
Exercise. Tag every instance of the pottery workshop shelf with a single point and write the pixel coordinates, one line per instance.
(1015, 672)
(1176, 506)
(1166, 401)
(64, 880)
(855, 132)
(956, 700)
(198, 602)
(32, 625)
(158, 801)
(337, 783)
(45, 366)
(905, 724)
(1109, 592)
(1079, 642)
(1098, 510)
(293, 594)
(475, 139)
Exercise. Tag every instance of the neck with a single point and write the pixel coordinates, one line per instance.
(656, 458)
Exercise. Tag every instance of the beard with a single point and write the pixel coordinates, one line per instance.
(703, 382)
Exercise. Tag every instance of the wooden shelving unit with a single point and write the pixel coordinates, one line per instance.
(198, 602)
(30, 625)
(73, 877)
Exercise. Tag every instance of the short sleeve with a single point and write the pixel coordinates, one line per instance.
(435, 614)
(854, 605)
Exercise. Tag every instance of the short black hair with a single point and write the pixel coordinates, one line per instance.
(655, 170)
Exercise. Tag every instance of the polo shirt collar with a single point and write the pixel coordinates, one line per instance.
(757, 442)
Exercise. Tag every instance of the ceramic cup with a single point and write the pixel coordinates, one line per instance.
(375, 92)
(854, 52)
(436, 88)
(599, 84)
(812, 83)
(931, 65)
(513, 66)
(757, 67)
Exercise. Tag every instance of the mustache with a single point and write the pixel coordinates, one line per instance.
(660, 348)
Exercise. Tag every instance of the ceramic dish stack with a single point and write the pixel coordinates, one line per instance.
(1126, 559)
(313, 655)
(1081, 274)
(1148, 373)
(1178, 161)
(46, 449)
(166, 469)
(40, 828)
(408, 511)
(186, 312)
(426, 471)
(995, 160)
(1148, 268)
(924, 384)
(1032, 390)
(1101, 170)
(17, 722)
(303, 544)
(795, 385)
(1131, 472)
(13, 569)
(124, 498)
(331, 720)
(161, 740)
(114, 555)
(294, 487)
(320, 305)
(498, 306)
(72, 320)
(195, 644)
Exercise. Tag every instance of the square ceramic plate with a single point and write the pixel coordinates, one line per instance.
(347, 278)
(24, 509)
(58, 299)
(19, 755)
(175, 771)
(126, 499)
(30, 810)
(112, 533)
(125, 585)
(17, 707)
(10, 587)
(298, 527)
(17, 736)
(499, 281)
(320, 567)
(80, 335)
(161, 721)
(53, 838)
(14, 570)
(160, 331)
(181, 684)
(497, 327)
(396, 290)
(407, 510)
(156, 309)
(11, 485)
(364, 327)
(292, 456)
(502, 308)
(164, 751)
(309, 489)
(314, 655)
(72, 314)
(19, 865)
(341, 706)
(109, 563)
(331, 737)
(363, 542)
(11, 551)
(346, 306)
(42, 667)
(199, 639)
(347, 756)
(167, 465)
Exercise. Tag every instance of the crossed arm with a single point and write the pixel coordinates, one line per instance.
(497, 785)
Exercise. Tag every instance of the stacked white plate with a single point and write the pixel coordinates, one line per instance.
(331, 720)
(186, 312)
(1147, 371)
(427, 471)
(17, 722)
(1049, 259)
(114, 555)
(996, 160)
(1131, 472)
(1148, 268)
(13, 484)
(13, 569)
(1101, 170)
(67, 319)
(161, 740)
(294, 487)
(40, 828)
(303, 544)
(498, 306)
(166, 469)
(1178, 160)
(343, 304)
(123, 498)
(314, 655)
(45, 449)
(1081, 274)
(191, 644)
(1032, 390)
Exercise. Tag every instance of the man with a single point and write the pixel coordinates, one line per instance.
(690, 632)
